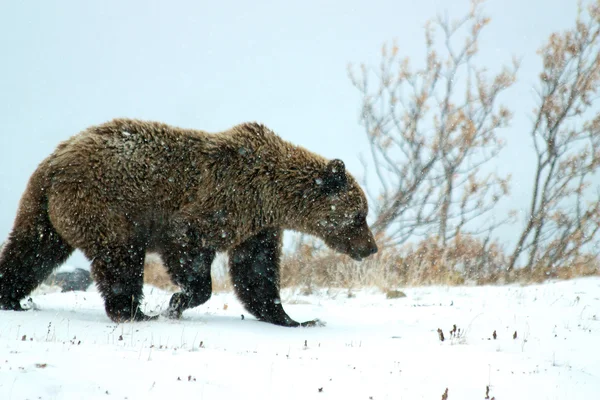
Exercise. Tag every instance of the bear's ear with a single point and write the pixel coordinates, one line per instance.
(334, 178)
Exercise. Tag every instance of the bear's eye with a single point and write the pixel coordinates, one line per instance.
(359, 218)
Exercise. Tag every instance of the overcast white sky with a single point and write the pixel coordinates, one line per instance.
(65, 65)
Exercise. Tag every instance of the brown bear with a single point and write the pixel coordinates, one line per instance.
(127, 187)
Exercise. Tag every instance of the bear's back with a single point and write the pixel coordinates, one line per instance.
(130, 161)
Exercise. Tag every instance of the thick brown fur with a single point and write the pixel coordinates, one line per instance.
(127, 187)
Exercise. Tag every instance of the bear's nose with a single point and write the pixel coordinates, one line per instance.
(373, 249)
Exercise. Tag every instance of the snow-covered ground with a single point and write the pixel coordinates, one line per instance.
(371, 348)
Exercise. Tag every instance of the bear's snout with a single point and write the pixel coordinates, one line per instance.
(359, 252)
(374, 249)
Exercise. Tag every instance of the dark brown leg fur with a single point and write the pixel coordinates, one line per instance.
(119, 276)
(190, 270)
(254, 269)
(28, 257)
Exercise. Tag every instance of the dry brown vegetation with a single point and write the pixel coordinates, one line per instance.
(155, 274)
(466, 260)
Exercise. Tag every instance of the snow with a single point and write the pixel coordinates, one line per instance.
(371, 348)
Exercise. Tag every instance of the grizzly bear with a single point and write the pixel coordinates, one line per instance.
(127, 187)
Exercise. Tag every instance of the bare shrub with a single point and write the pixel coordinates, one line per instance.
(431, 130)
(564, 215)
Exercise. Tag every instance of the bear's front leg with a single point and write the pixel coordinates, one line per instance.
(119, 276)
(190, 270)
(254, 269)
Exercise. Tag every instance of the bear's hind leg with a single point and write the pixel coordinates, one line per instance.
(119, 276)
(254, 269)
(27, 258)
(190, 270)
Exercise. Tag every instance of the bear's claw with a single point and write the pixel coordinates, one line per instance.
(12, 307)
(172, 313)
(144, 317)
(313, 323)
(16, 306)
(137, 317)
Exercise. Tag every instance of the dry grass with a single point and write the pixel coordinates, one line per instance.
(465, 260)
(587, 265)
(156, 275)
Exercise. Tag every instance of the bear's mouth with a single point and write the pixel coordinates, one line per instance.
(350, 251)
(357, 253)
(356, 257)
(360, 253)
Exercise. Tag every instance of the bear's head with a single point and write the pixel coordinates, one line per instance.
(339, 212)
